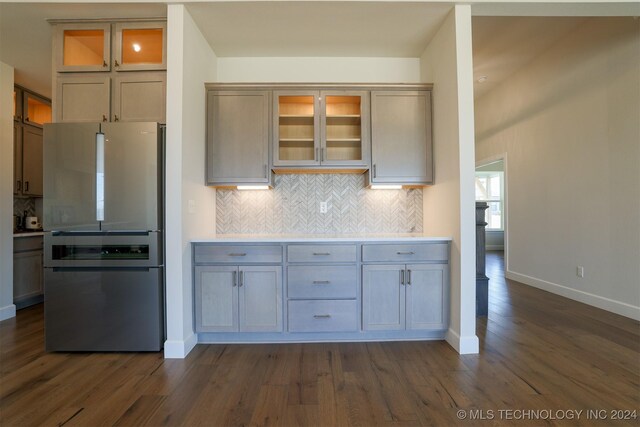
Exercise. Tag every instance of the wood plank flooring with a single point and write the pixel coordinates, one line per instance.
(539, 352)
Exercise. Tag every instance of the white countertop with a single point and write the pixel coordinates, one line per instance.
(28, 234)
(290, 238)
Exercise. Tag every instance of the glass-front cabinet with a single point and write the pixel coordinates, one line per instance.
(88, 46)
(140, 46)
(321, 128)
(82, 47)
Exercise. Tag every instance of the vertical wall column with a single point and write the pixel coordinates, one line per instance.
(449, 206)
(7, 309)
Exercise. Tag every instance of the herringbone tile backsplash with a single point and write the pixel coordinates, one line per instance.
(293, 206)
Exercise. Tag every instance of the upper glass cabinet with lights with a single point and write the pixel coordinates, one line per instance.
(140, 46)
(321, 128)
(104, 46)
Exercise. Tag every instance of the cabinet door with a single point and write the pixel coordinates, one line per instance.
(237, 137)
(383, 297)
(140, 46)
(427, 296)
(37, 110)
(27, 274)
(401, 147)
(216, 296)
(139, 97)
(17, 158)
(82, 47)
(32, 161)
(296, 128)
(82, 98)
(17, 104)
(344, 125)
(260, 290)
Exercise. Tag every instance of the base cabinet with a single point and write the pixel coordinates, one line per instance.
(238, 298)
(27, 271)
(407, 296)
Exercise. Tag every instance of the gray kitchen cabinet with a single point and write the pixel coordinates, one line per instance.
(238, 138)
(139, 97)
(401, 138)
(406, 296)
(245, 298)
(82, 98)
(31, 112)
(92, 85)
(27, 271)
(32, 161)
(328, 128)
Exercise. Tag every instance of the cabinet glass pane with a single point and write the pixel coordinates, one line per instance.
(296, 118)
(38, 112)
(343, 129)
(83, 47)
(142, 46)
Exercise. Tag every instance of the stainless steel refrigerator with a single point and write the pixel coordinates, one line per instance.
(103, 242)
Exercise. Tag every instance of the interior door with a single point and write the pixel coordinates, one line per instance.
(131, 176)
(70, 176)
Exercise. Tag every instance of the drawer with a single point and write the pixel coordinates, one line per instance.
(32, 243)
(323, 316)
(315, 281)
(321, 253)
(237, 254)
(406, 252)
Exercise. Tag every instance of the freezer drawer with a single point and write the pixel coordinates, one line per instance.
(103, 309)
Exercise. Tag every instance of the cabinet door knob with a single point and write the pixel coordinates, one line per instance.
(408, 277)
(235, 278)
(374, 170)
(402, 277)
(241, 280)
(19, 186)
(115, 63)
(104, 118)
(115, 118)
(104, 64)
(26, 186)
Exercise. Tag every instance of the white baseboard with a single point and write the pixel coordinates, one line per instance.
(607, 304)
(176, 349)
(463, 345)
(494, 247)
(7, 312)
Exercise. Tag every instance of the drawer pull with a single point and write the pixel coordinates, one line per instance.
(408, 277)
(405, 253)
(238, 254)
(322, 253)
(321, 316)
(321, 282)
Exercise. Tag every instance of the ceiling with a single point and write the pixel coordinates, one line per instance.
(361, 29)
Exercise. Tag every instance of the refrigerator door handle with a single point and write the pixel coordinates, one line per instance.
(100, 141)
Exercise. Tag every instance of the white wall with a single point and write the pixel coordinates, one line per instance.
(449, 205)
(570, 124)
(191, 64)
(319, 70)
(7, 309)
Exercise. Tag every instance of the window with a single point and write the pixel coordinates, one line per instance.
(490, 189)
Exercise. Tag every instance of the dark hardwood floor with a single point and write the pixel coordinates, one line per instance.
(543, 357)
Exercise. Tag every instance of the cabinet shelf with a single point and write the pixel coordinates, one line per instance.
(343, 139)
(286, 140)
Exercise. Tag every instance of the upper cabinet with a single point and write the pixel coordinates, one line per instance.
(383, 131)
(30, 112)
(140, 46)
(82, 47)
(401, 144)
(321, 129)
(110, 71)
(238, 138)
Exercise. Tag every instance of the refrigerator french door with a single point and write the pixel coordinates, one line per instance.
(103, 238)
